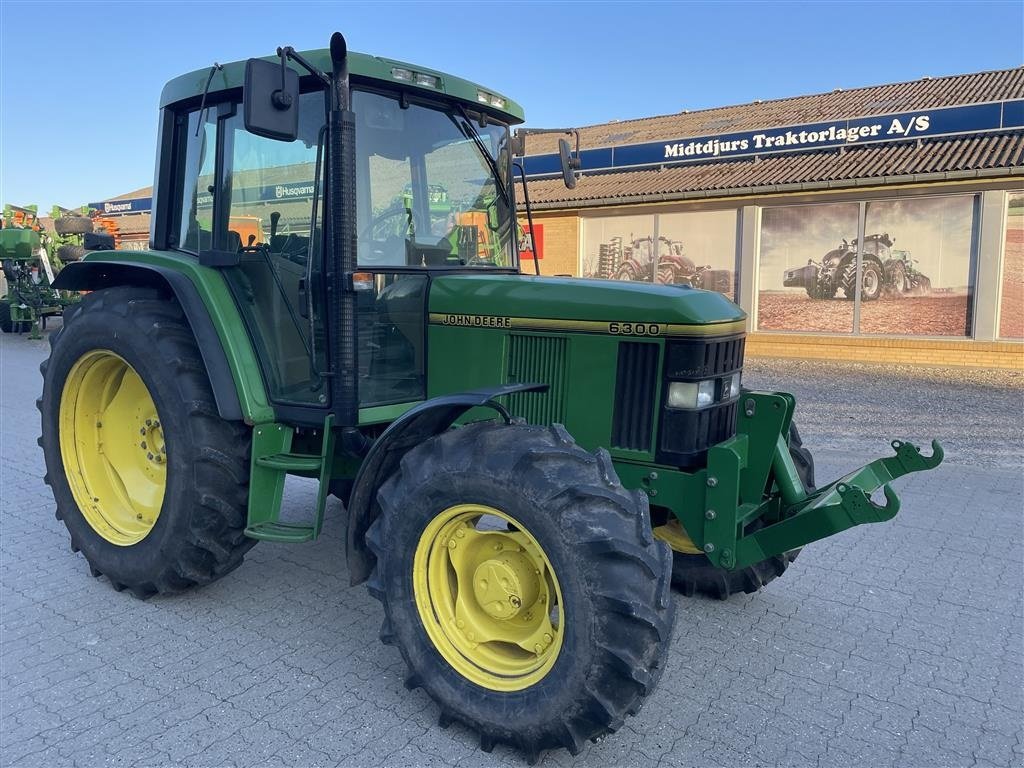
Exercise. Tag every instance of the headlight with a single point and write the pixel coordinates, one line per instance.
(691, 394)
(700, 394)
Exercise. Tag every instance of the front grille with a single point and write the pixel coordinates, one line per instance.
(685, 435)
(538, 359)
(636, 381)
(695, 359)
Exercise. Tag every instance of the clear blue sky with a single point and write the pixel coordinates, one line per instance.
(80, 81)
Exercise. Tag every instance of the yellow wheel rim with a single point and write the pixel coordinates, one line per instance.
(112, 446)
(488, 597)
(673, 534)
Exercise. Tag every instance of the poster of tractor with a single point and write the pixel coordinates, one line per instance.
(669, 249)
(914, 271)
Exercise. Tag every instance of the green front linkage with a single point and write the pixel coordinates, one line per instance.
(751, 477)
(792, 517)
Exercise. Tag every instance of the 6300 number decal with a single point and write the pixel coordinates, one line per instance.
(634, 329)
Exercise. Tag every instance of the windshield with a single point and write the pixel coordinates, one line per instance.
(428, 195)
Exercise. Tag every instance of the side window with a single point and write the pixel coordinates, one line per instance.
(196, 222)
(268, 218)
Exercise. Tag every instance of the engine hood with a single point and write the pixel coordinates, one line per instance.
(508, 301)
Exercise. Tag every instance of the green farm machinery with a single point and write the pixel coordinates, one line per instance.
(527, 463)
(27, 257)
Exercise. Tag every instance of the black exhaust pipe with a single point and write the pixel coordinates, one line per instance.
(341, 297)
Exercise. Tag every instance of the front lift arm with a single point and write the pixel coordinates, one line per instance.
(749, 503)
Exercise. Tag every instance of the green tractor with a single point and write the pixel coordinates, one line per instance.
(527, 463)
(883, 272)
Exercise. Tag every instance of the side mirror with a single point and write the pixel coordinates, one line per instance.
(271, 100)
(569, 164)
(517, 144)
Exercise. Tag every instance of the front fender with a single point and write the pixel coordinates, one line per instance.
(409, 430)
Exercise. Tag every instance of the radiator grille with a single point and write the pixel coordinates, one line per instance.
(692, 359)
(636, 382)
(538, 359)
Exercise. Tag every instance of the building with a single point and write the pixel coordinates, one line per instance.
(917, 187)
(773, 203)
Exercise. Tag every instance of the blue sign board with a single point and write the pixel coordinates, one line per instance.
(121, 207)
(903, 126)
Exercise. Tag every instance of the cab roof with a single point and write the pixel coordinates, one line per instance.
(360, 66)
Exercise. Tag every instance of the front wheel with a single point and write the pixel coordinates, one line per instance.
(693, 573)
(522, 585)
(149, 480)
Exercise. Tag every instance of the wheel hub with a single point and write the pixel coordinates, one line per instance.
(502, 586)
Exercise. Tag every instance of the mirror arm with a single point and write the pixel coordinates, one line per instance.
(288, 53)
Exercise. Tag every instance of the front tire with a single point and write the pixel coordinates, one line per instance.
(150, 482)
(578, 633)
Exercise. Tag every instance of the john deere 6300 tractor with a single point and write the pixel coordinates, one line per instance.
(527, 463)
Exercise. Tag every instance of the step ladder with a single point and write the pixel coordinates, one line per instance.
(272, 462)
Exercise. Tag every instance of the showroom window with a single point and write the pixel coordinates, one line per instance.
(807, 252)
(917, 262)
(921, 285)
(1011, 297)
(692, 248)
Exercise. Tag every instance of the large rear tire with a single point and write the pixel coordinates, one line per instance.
(576, 635)
(150, 482)
(693, 573)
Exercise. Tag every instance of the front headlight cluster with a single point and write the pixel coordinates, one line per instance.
(700, 394)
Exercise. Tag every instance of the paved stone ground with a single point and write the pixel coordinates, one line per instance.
(890, 645)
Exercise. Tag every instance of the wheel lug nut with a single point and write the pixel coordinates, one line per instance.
(149, 422)
(460, 624)
(452, 544)
(142, 431)
(143, 444)
(149, 456)
(461, 533)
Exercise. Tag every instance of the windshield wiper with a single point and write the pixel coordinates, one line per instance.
(470, 132)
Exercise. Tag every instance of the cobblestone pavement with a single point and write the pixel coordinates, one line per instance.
(890, 645)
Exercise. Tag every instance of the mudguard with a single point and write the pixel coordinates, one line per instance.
(412, 428)
(95, 275)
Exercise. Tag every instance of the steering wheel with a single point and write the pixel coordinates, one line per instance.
(380, 218)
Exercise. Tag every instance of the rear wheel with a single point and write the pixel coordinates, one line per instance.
(522, 585)
(693, 573)
(7, 325)
(150, 482)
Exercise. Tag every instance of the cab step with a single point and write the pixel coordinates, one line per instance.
(290, 462)
(289, 533)
(272, 462)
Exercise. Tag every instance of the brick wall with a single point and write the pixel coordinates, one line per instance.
(974, 354)
(561, 243)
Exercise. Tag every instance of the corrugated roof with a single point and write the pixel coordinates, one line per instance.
(979, 155)
(856, 102)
